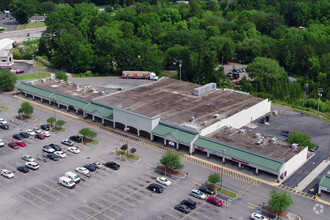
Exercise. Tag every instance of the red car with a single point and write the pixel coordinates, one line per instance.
(20, 143)
(40, 136)
(19, 71)
(214, 201)
(13, 145)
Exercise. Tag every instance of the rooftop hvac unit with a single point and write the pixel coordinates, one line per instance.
(228, 127)
(294, 146)
(103, 92)
(70, 83)
(192, 118)
(261, 141)
(62, 81)
(273, 140)
(258, 135)
(242, 131)
(205, 89)
(216, 116)
(205, 123)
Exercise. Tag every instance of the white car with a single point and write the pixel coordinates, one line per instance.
(82, 170)
(28, 158)
(74, 150)
(60, 154)
(256, 216)
(30, 132)
(164, 181)
(7, 173)
(197, 194)
(36, 130)
(46, 133)
(32, 165)
(67, 142)
(3, 121)
(97, 165)
(48, 149)
(2, 144)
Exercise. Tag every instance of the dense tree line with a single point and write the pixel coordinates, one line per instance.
(154, 34)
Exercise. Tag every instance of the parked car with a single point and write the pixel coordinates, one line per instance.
(28, 158)
(74, 150)
(90, 167)
(30, 132)
(214, 201)
(55, 147)
(45, 133)
(48, 149)
(82, 170)
(45, 127)
(314, 148)
(36, 130)
(24, 134)
(19, 71)
(13, 145)
(112, 165)
(23, 169)
(53, 157)
(155, 188)
(285, 133)
(206, 190)
(20, 143)
(7, 173)
(67, 142)
(197, 194)
(60, 154)
(4, 126)
(40, 136)
(18, 137)
(32, 165)
(190, 203)
(3, 121)
(182, 208)
(2, 144)
(256, 216)
(67, 182)
(97, 165)
(164, 181)
(76, 138)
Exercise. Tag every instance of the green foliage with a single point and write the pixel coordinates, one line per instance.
(86, 132)
(171, 160)
(302, 139)
(51, 120)
(132, 150)
(61, 75)
(25, 108)
(60, 123)
(22, 10)
(279, 201)
(214, 178)
(7, 80)
(123, 147)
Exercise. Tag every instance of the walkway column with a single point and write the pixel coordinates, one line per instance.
(25, 94)
(77, 111)
(84, 114)
(223, 160)
(138, 132)
(191, 150)
(33, 97)
(164, 142)
(239, 166)
(58, 105)
(177, 146)
(41, 100)
(93, 118)
(50, 102)
(208, 155)
(102, 121)
(67, 108)
(257, 172)
(278, 178)
(114, 124)
(151, 136)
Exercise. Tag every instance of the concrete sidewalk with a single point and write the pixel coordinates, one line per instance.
(312, 175)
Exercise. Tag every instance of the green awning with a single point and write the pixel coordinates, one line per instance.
(105, 112)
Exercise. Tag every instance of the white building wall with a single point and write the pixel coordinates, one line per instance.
(295, 162)
(241, 118)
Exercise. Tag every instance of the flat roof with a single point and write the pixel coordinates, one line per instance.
(175, 102)
(325, 180)
(280, 150)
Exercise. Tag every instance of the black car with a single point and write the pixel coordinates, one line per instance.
(206, 190)
(18, 137)
(285, 133)
(156, 188)
(4, 126)
(314, 148)
(23, 169)
(90, 167)
(45, 127)
(24, 134)
(182, 208)
(76, 138)
(190, 203)
(53, 157)
(112, 165)
(55, 147)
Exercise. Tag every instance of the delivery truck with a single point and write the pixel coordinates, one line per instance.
(139, 75)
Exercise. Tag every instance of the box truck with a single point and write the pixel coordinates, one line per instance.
(139, 75)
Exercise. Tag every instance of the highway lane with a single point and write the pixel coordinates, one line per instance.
(20, 33)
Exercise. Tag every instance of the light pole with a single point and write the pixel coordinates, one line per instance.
(223, 152)
(306, 87)
(126, 129)
(319, 90)
(53, 97)
(180, 65)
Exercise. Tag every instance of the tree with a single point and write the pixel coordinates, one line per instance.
(86, 132)
(279, 201)
(51, 120)
(7, 80)
(302, 139)
(22, 10)
(171, 161)
(132, 150)
(25, 108)
(214, 178)
(61, 75)
(60, 123)
(123, 147)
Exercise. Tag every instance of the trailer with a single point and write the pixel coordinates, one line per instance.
(139, 75)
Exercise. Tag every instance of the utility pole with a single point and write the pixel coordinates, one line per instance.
(223, 152)
(306, 87)
(180, 65)
(319, 90)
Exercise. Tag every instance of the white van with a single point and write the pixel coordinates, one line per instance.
(72, 176)
(67, 182)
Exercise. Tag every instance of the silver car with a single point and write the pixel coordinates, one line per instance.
(197, 194)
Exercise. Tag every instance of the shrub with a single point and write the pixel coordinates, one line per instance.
(61, 75)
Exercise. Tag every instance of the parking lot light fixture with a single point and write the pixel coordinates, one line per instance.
(223, 152)
(126, 129)
(180, 65)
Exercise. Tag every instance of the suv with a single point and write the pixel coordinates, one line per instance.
(197, 194)
(55, 147)
(156, 188)
(314, 148)
(76, 138)
(190, 203)
(4, 126)
(112, 165)
(24, 134)
(45, 127)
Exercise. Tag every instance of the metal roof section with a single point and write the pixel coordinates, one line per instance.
(325, 180)
(34, 90)
(69, 100)
(181, 135)
(240, 154)
(105, 112)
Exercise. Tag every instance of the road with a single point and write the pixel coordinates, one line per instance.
(21, 33)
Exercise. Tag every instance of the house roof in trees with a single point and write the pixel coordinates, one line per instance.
(5, 43)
